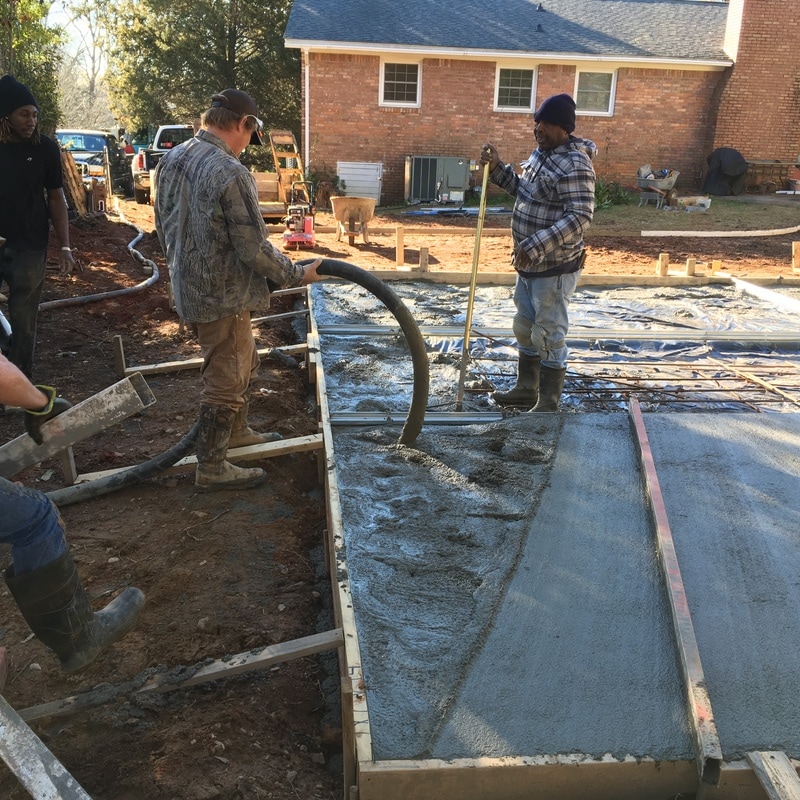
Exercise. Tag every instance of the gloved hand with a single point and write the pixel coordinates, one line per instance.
(490, 156)
(35, 419)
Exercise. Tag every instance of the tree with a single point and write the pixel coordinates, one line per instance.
(81, 81)
(167, 59)
(31, 52)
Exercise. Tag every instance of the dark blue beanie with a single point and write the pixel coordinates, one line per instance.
(557, 110)
(14, 95)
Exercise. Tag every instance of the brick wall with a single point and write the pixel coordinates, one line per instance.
(759, 101)
(660, 117)
(667, 118)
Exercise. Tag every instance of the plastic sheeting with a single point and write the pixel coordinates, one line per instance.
(373, 373)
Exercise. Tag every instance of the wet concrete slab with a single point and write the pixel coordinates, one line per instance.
(519, 610)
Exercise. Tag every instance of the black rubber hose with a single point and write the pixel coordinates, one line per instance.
(119, 480)
(419, 355)
(411, 429)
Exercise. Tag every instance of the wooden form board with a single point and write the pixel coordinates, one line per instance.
(572, 777)
(356, 735)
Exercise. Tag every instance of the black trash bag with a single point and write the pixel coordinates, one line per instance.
(727, 171)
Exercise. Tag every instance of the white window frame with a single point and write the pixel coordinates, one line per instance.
(609, 112)
(515, 109)
(394, 104)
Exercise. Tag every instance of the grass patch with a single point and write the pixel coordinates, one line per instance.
(725, 214)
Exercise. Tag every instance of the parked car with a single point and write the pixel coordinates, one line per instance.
(144, 161)
(90, 149)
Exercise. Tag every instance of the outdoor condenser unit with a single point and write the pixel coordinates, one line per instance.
(444, 179)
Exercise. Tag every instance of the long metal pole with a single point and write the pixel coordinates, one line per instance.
(475, 257)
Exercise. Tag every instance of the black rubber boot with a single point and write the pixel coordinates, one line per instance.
(213, 471)
(243, 435)
(57, 609)
(526, 391)
(551, 384)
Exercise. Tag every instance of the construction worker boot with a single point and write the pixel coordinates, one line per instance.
(213, 471)
(243, 435)
(526, 391)
(551, 384)
(58, 610)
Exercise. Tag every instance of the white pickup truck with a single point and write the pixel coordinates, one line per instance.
(144, 162)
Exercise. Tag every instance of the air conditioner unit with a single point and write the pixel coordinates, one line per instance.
(443, 179)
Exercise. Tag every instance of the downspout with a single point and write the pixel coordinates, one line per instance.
(306, 107)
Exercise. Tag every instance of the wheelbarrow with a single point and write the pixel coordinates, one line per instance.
(659, 188)
(353, 215)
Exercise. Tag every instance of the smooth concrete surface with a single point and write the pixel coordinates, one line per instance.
(516, 626)
(731, 485)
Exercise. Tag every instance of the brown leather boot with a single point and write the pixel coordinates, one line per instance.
(213, 471)
(526, 391)
(551, 384)
(243, 435)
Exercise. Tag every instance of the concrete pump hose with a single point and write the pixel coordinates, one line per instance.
(419, 355)
(119, 480)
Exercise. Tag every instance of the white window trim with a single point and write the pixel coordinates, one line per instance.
(384, 62)
(611, 98)
(514, 109)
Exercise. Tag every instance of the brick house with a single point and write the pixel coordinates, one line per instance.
(664, 82)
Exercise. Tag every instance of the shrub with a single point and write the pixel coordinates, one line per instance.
(610, 193)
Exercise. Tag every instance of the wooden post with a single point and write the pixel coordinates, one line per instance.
(423, 259)
(662, 265)
(716, 266)
(399, 247)
(74, 189)
(690, 265)
(795, 256)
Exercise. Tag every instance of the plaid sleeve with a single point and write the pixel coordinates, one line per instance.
(574, 189)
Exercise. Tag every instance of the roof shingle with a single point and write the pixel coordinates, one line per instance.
(661, 29)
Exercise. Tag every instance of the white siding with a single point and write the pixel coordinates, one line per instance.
(361, 178)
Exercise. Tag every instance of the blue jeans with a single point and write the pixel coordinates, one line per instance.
(23, 271)
(542, 321)
(31, 525)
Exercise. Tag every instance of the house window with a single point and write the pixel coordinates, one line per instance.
(515, 89)
(400, 85)
(594, 93)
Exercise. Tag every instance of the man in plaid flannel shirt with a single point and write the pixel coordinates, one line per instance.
(553, 208)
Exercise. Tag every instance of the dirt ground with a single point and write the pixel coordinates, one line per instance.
(224, 573)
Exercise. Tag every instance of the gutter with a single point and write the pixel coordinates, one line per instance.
(308, 45)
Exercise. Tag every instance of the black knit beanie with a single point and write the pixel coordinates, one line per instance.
(557, 110)
(14, 95)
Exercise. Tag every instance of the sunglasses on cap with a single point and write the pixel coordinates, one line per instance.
(259, 123)
(256, 138)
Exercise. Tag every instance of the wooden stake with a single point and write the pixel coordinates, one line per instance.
(662, 266)
(423, 259)
(399, 247)
(716, 266)
(690, 266)
(795, 256)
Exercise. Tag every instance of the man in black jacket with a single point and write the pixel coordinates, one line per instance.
(31, 196)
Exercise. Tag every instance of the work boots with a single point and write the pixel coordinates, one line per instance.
(57, 609)
(526, 391)
(551, 383)
(243, 435)
(213, 471)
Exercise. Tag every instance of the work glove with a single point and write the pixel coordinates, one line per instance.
(35, 419)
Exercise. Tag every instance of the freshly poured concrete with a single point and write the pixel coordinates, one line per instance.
(525, 614)
(731, 484)
(504, 577)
